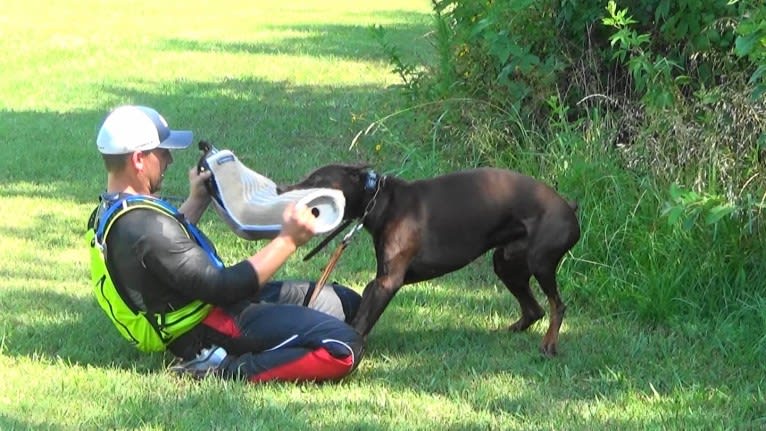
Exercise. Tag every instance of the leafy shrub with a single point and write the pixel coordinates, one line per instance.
(614, 106)
(751, 43)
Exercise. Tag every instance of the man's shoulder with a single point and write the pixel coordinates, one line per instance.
(137, 206)
(146, 220)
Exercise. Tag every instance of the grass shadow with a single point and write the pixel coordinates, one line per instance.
(70, 327)
(339, 41)
(259, 124)
(450, 341)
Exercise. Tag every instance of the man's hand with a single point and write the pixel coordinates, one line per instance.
(297, 228)
(298, 224)
(197, 189)
(199, 197)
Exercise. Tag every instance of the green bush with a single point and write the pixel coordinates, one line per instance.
(649, 112)
(751, 43)
(518, 53)
(675, 77)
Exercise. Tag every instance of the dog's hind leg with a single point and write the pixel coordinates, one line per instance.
(546, 277)
(545, 252)
(510, 265)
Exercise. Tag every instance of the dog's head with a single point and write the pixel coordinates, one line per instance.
(349, 179)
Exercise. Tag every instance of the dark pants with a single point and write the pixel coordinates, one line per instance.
(277, 338)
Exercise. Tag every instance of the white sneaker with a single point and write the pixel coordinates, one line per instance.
(206, 361)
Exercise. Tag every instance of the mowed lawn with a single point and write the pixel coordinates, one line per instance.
(287, 85)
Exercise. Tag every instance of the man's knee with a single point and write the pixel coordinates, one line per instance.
(335, 299)
(349, 300)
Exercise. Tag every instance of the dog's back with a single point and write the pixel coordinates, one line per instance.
(485, 195)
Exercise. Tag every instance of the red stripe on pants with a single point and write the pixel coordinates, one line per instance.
(317, 365)
(222, 322)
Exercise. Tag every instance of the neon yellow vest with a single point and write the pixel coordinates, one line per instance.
(149, 332)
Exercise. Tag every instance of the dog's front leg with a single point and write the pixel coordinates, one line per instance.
(393, 259)
(394, 251)
(375, 298)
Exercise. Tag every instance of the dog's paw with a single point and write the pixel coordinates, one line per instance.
(549, 350)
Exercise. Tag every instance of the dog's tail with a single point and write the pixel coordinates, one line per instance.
(573, 204)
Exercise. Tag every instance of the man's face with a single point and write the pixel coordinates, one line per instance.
(157, 161)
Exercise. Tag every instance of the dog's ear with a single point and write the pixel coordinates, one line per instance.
(362, 166)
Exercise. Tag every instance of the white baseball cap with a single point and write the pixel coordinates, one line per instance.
(131, 128)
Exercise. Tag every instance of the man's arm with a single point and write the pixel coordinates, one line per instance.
(178, 263)
(181, 264)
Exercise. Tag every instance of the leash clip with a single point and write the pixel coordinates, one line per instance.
(349, 234)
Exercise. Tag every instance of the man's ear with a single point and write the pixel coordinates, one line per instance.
(137, 160)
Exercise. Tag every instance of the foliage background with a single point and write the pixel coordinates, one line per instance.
(666, 97)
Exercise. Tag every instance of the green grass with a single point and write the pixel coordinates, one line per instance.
(287, 86)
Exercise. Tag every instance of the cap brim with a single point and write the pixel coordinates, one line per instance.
(177, 140)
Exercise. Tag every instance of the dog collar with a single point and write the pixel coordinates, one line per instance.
(371, 182)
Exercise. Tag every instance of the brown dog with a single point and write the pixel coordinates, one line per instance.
(427, 228)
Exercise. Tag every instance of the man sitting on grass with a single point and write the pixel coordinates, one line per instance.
(161, 282)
